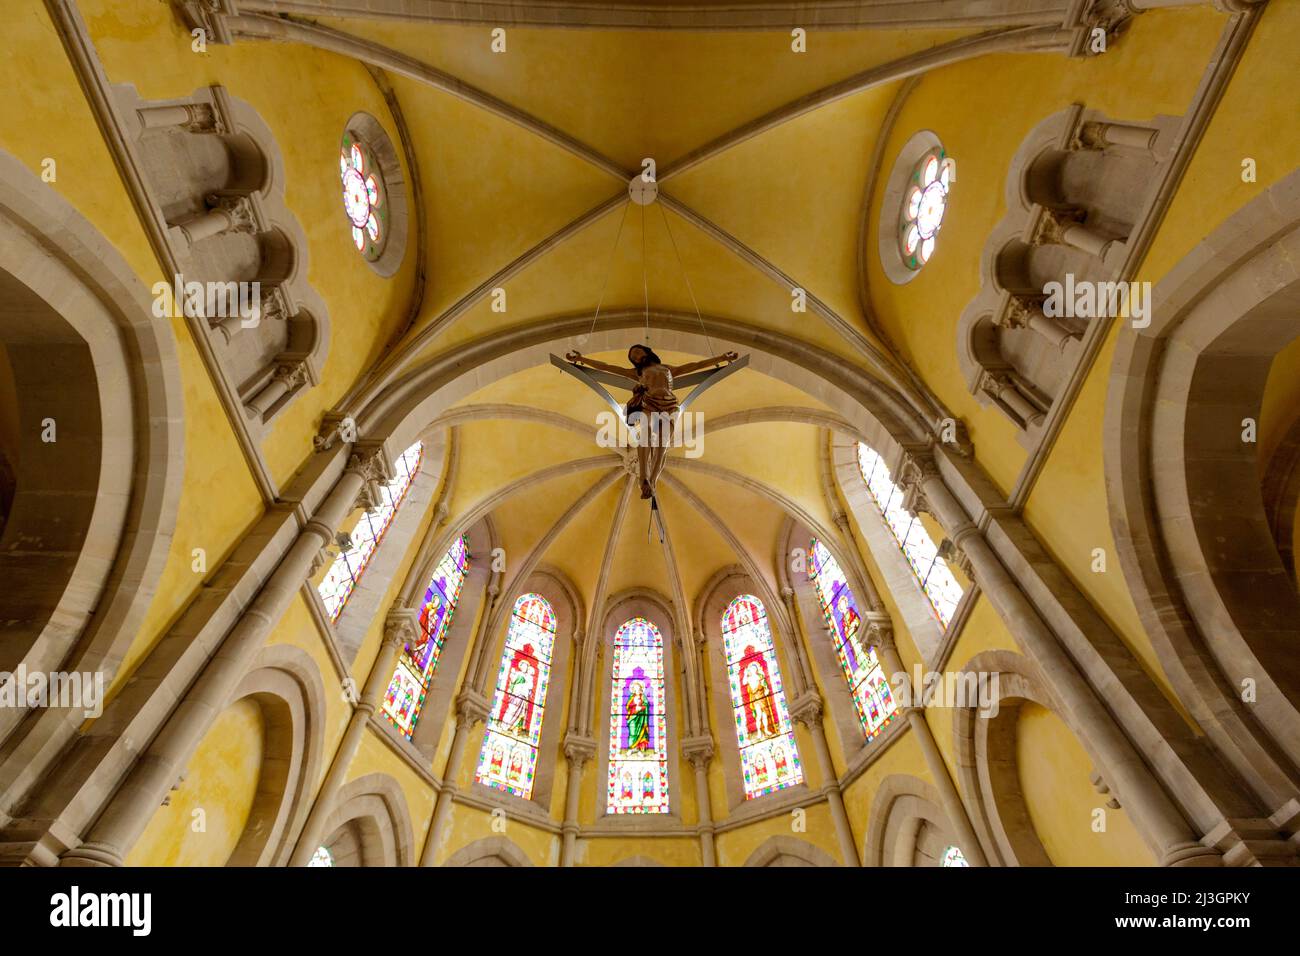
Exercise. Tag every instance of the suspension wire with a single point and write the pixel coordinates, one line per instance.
(645, 279)
(687, 278)
(609, 268)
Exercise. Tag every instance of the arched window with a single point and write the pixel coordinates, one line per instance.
(918, 547)
(862, 671)
(509, 755)
(364, 202)
(322, 857)
(953, 857)
(410, 683)
(638, 725)
(769, 759)
(350, 565)
(924, 202)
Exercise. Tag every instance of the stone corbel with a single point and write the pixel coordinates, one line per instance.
(1101, 786)
(880, 630)
(952, 553)
(917, 467)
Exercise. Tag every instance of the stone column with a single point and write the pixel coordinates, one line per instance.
(808, 711)
(1022, 313)
(699, 751)
(578, 751)
(191, 117)
(1064, 228)
(149, 781)
(1155, 815)
(1000, 387)
(401, 627)
(797, 649)
(471, 710)
(880, 633)
(284, 380)
(228, 214)
(1101, 135)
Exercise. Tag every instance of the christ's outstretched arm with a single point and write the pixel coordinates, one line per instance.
(705, 363)
(577, 358)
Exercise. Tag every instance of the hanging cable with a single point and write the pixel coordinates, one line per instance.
(609, 269)
(645, 279)
(686, 278)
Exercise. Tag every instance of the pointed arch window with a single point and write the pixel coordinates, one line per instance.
(346, 571)
(858, 662)
(414, 671)
(769, 759)
(952, 856)
(508, 760)
(638, 725)
(909, 533)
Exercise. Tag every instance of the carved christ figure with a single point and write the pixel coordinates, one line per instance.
(652, 411)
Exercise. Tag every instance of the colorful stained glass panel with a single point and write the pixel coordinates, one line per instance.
(638, 730)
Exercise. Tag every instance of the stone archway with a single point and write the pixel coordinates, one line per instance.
(97, 449)
(370, 824)
(906, 826)
(286, 686)
(1187, 508)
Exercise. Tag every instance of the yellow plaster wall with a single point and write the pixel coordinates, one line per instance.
(142, 43)
(1062, 804)
(1245, 124)
(218, 503)
(1136, 79)
(220, 785)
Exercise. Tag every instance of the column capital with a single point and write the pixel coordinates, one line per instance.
(807, 708)
(880, 630)
(367, 459)
(578, 750)
(1052, 223)
(471, 708)
(401, 626)
(698, 750)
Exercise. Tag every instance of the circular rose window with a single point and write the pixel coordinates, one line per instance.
(924, 203)
(363, 197)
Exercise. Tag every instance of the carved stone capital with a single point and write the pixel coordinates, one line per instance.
(238, 209)
(292, 374)
(1109, 15)
(471, 708)
(952, 553)
(208, 16)
(1051, 225)
(880, 630)
(807, 708)
(917, 468)
(579, 750)
(401, 626)
(367, 460)
(698, 750)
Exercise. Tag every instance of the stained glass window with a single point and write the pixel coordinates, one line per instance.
(924, 202)
(862, 670)
(342, 577)
(364, 202)
(410, 683)
(508, 759)
(769, 759)
(638, 738)
(322, 857)
(952, 857)
(918, 547)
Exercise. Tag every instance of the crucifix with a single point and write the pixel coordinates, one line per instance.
(653, 410)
